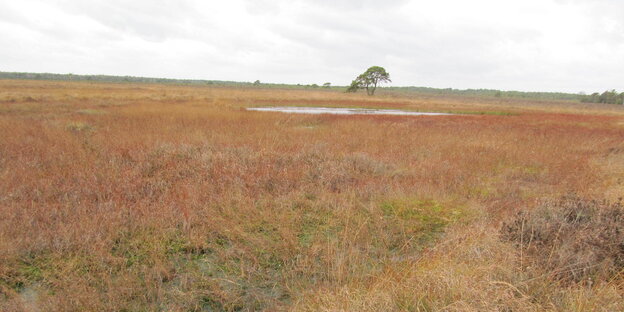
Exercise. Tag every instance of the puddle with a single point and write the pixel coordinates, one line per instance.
(342, 111)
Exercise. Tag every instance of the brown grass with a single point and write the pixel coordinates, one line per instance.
(155, 197)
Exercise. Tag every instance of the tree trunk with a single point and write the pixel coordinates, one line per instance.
(373, 89)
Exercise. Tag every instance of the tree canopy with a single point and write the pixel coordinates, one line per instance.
(369, 80)
(607, 97)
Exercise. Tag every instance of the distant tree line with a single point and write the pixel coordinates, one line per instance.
(607, 97)
(488, 93)
(610, 97)
(133, 79)
(109, 78)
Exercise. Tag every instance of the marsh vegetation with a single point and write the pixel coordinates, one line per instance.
(155, 197)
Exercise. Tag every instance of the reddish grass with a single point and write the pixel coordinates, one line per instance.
(155, 197)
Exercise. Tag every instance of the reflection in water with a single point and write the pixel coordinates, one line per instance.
(341, 111)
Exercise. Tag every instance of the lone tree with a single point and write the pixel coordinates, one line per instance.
(369, 80)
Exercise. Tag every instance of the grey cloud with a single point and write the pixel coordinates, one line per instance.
(306, 41)
(358, 4)
(345, 39)
(152, 20)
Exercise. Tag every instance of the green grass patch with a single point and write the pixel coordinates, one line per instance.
(316, 226)
(491, 113)
(415, 222)
(79, 126)
(90, 112)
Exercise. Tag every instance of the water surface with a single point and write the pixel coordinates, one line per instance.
(341, 111)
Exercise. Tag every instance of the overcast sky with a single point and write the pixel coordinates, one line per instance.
(534, 45)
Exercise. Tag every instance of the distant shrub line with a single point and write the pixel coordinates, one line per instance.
(607, 97)
(109, 78)
(133, 79)
(490, 93)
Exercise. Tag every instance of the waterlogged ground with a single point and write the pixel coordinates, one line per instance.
(342, 111)
(138, 197)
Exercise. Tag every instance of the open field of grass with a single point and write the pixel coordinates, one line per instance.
(145, 197)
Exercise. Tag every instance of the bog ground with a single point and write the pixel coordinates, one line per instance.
(138, 197)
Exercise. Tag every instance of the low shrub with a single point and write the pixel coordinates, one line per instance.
(572, 239)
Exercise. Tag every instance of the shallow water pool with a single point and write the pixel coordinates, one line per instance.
(342, 111)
